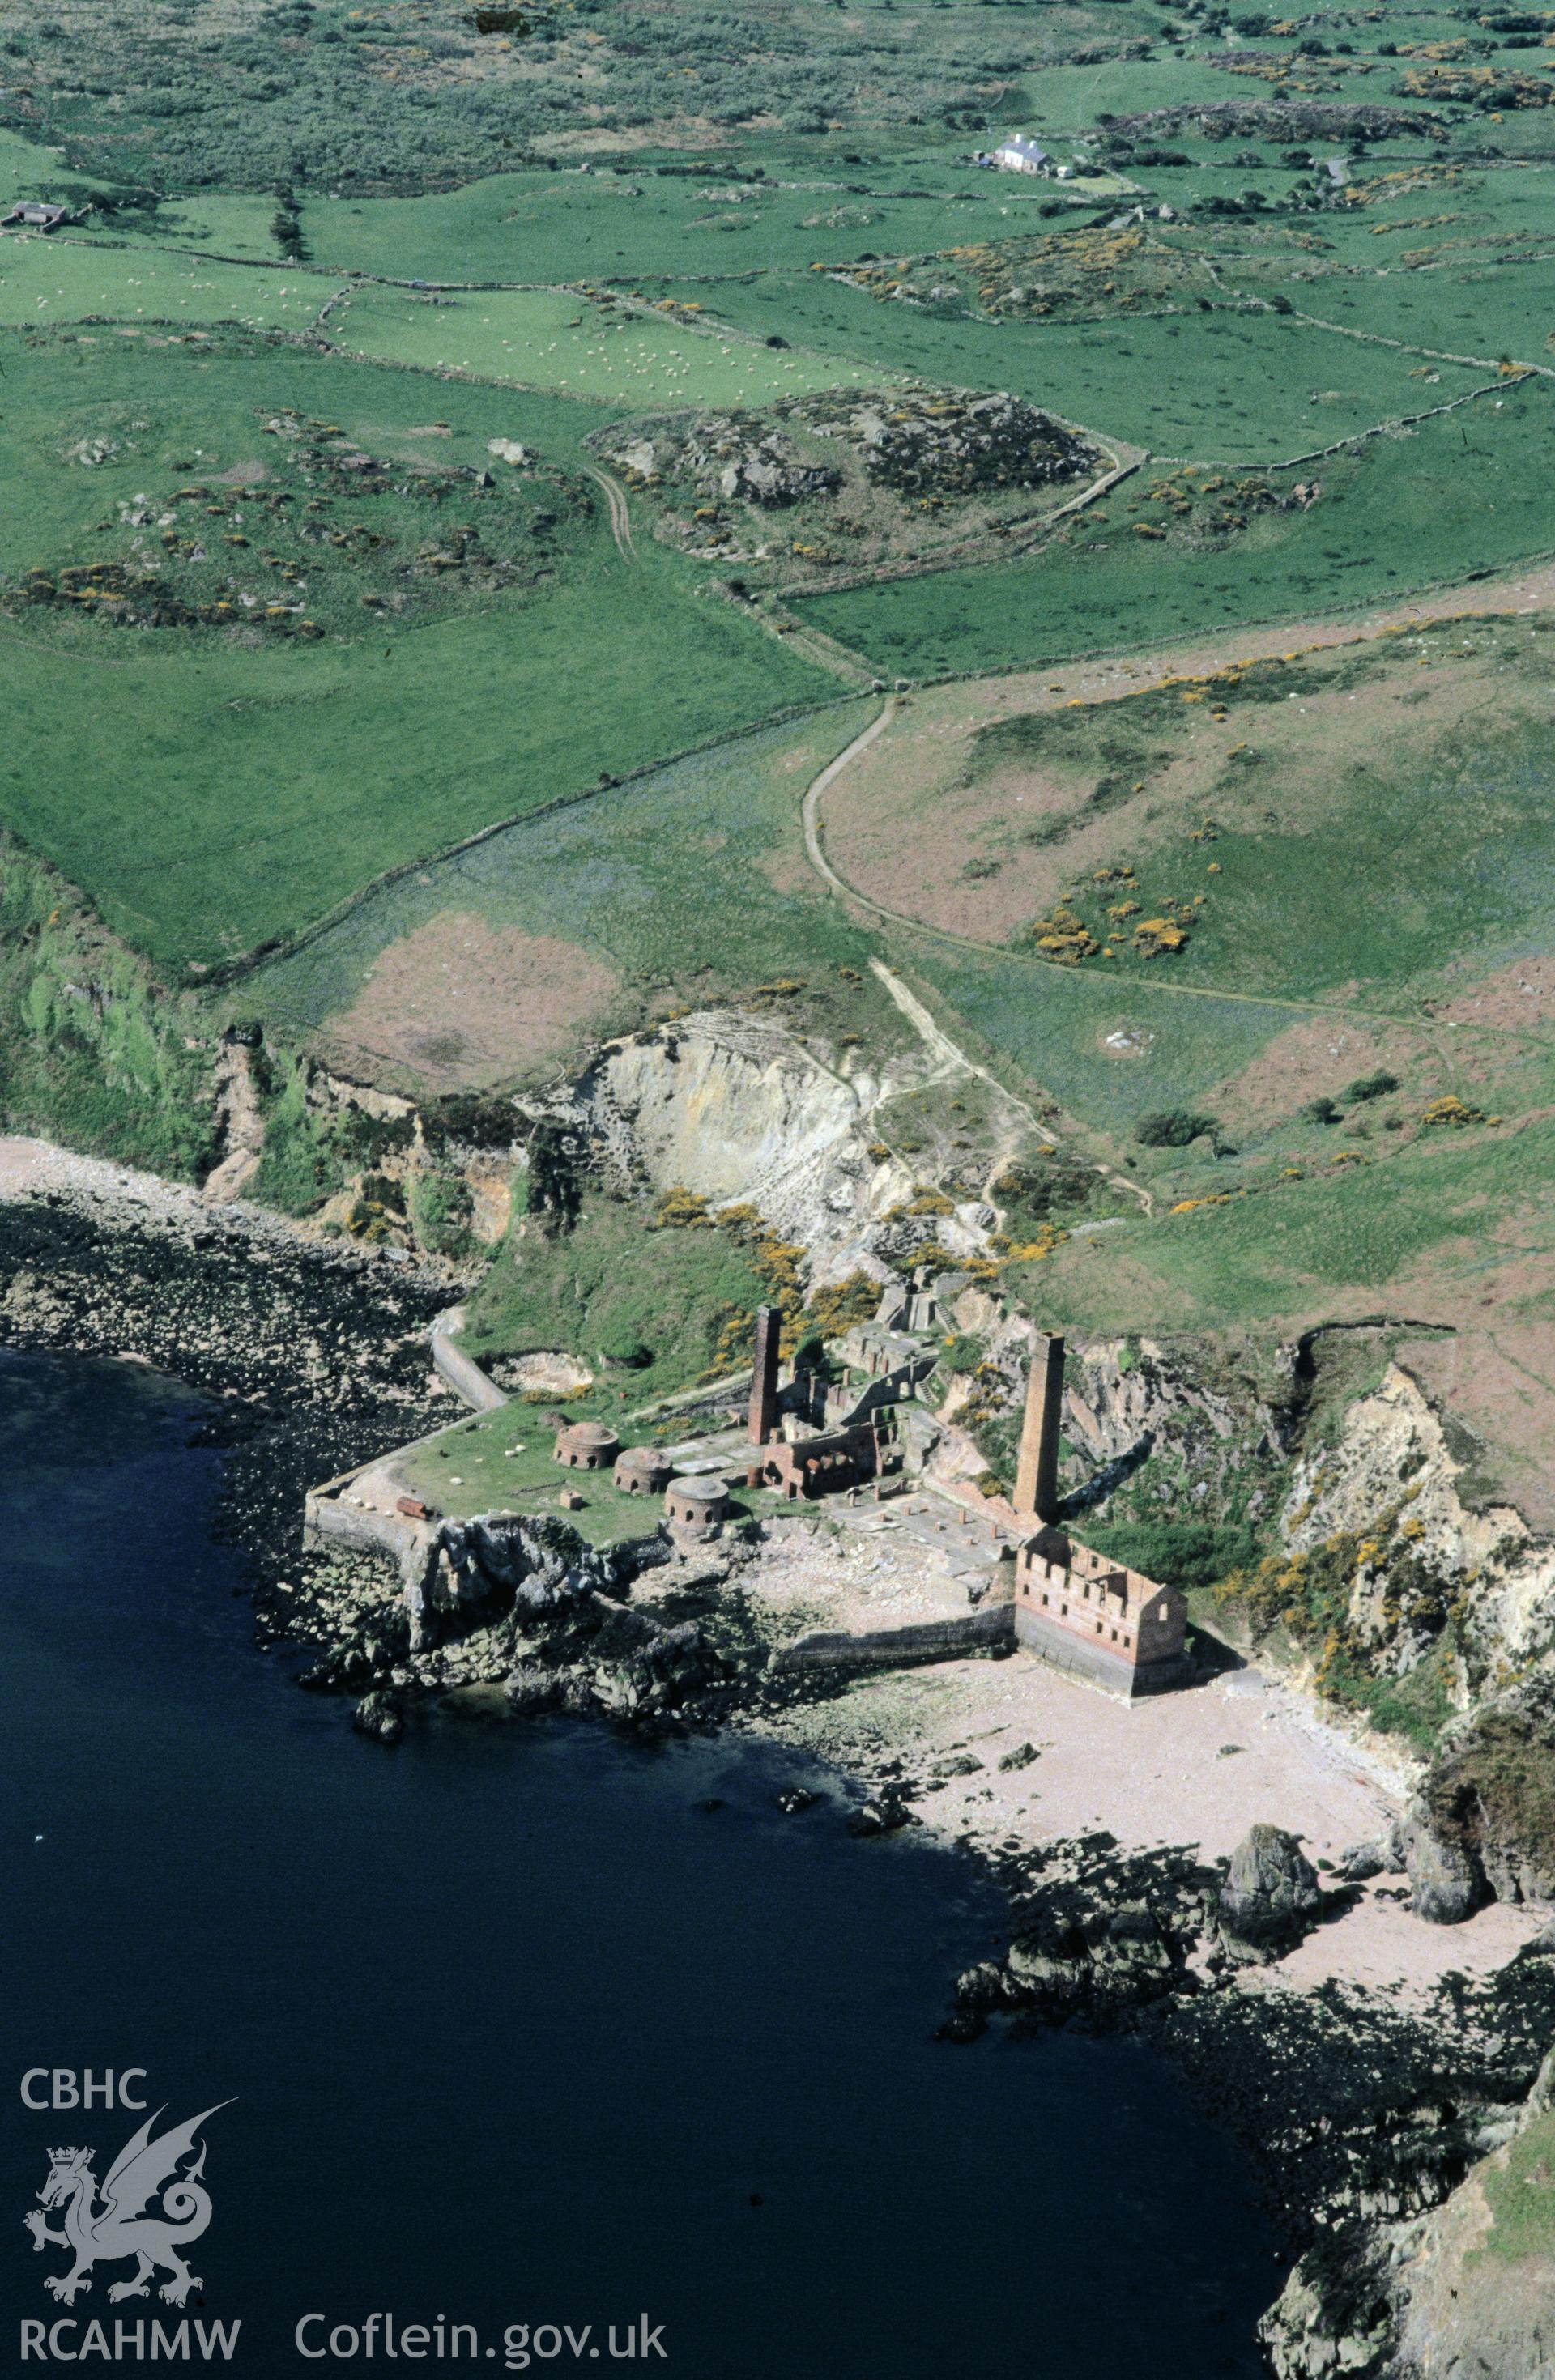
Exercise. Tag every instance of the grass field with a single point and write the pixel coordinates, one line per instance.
(1430, 1231)
(550, 339)
(686, 888)
(641, 1309)
(64, 279)
(1277, 801)
(204, 837)
(502, 1463)
(239, 789)
(222, 787)
(1453, 498)
(618, 225)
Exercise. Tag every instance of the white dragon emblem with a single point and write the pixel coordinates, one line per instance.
(144, 2170)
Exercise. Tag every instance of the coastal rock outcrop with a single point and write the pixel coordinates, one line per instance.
(1447, 1883)
(1477, 2279)
(1489, 1790)
(531, 1565)
(1270, 1898)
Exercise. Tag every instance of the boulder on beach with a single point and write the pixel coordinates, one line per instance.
(1269, 1897)
(1446, 1882)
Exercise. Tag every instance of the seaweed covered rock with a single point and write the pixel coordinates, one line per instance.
(1104, 1937)
(663, 1671)
(1335, 2315)
(378, 1715)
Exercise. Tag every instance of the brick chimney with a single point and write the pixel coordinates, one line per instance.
(1037, 1472)
(764, 1383)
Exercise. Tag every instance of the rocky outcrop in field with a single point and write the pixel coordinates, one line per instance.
(917, 440)
(849, 479)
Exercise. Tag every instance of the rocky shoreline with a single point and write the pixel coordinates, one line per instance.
(1364, 2113)
(310, 1355)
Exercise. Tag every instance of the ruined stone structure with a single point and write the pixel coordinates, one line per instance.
(819, 1465)
(1093, 1617)
(642, 1471)
(877, 1351)
(1037, 1471)
(763, 1422)
(697, 1506)
(586, 1446)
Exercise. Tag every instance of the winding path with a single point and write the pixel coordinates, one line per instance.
(620, 517)
(941, 1048)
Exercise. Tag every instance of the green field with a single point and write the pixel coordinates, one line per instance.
(502, 1463)
(1446, 1210)
(642, 1309)
(231, 712)
(237, 791)
(1454, 498)
(550, 339)
(64, 280)
(689, 887)
(616, 226)
(205, 838)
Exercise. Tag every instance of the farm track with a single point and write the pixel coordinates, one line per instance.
(951, 1061)
(620, 518)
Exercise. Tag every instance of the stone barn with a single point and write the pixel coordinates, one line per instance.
(586, 1446)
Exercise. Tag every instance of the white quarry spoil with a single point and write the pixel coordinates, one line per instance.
(735, 1109)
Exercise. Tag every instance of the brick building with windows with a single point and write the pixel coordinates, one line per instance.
(1084, 1613)
(1108, 1625)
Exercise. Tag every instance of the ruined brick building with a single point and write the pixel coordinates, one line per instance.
(822, 1462)
(1084, 1613)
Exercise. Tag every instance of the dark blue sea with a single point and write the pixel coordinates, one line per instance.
(517, 2034)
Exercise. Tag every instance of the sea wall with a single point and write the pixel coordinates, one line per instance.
(924, 1639)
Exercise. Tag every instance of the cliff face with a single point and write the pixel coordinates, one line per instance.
(1138, 1417)
(1391, 1455)
(1477, 2289)
(1466, 2289)
(736, 1108)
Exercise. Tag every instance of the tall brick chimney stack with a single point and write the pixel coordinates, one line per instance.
(1037, 1472)
(764, 1383)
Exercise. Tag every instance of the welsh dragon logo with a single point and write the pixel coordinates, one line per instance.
(104, 2226)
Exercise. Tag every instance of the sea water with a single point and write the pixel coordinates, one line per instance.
(529, 2045)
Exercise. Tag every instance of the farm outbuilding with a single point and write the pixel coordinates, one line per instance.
(32, 215)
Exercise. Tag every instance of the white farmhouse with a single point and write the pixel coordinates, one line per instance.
(1021, 156)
